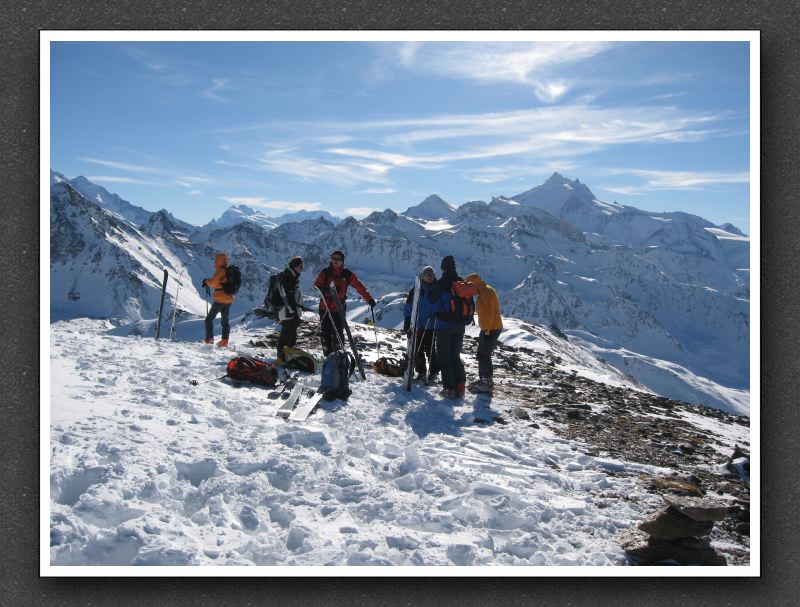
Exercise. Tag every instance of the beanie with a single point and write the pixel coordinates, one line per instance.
(339, 253)
(428, 270)
(448, 263)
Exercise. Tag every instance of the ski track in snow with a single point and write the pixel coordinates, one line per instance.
(149, 470)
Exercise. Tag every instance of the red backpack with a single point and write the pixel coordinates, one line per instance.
(462, 306)
(245, 368)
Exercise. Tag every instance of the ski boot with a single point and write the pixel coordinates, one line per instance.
(485, 386)
(222, 343)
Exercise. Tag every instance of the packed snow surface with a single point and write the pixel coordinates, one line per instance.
(147, 469)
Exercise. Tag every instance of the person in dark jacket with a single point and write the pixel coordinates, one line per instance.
(330, 322)
(424, 327)
(289, 314)
(449, 332)
(222, 301)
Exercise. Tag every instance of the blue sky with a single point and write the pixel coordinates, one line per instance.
(350, 127)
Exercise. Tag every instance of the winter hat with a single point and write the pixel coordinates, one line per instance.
(295, 261)
(428, 270)
(339, 253)
(448, 263)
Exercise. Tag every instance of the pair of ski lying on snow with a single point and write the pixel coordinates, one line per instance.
(307, 406)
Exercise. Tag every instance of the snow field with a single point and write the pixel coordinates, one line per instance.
(149, 470)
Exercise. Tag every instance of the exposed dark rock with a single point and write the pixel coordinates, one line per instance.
(697, 509)
(687, 551)
(669, 524)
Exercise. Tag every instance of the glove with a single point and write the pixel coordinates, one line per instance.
(204, 282)
(371, 303)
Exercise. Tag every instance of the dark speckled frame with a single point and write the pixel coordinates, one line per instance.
(19, 139)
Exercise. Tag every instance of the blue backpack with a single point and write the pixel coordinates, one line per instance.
(335, 376)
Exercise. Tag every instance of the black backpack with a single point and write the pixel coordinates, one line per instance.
(233, 280)
(335, 375)
(273, 299)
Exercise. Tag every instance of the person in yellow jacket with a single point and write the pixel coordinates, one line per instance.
(222, 300)
(488, 309)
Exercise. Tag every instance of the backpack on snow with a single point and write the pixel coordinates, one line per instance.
(245, 368)
(233, 280)
(335, 376)
(391, 367)
(462, 306)
(295, 358)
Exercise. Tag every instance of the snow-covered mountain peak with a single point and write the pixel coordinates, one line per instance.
(111, 202)
(164, 223)
(732, 229)
(239, 213)
(308, 230)
(305, 216)
(556, 192)
(433, 207)
(56, 177)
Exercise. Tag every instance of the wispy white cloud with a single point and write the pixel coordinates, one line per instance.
(339, 173)
(217, 85)
(118, 179)
(264, 203)
(407, 52)
(195, 192)
(171, 176)
(518, 172)
(674, 180)
(360, 211)
(538, 65)
(524, 138)
(376, 191)
(113, 164)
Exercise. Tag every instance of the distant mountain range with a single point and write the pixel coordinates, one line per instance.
(662, 296)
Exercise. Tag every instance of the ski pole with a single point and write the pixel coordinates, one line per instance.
(375, 328)
(194, 382)
(330, 318)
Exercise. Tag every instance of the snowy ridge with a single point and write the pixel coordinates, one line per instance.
(669, 288)
(149, 470)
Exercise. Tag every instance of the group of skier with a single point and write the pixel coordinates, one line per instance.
(443, 309)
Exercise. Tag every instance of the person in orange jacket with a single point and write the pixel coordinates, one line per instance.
(343, 277)
(222, 300)
(488, 309)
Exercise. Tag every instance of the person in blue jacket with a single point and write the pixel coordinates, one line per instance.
(424, 327)
(452, 314)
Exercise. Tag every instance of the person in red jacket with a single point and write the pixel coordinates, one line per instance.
(342, 277)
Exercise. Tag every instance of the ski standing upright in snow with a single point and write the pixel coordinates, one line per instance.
(161, 305)
(412, 338)
(175, 307)
(347, 329)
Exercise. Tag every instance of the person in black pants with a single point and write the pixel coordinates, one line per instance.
(425, 324)
(451, 311)
(342, 277)
(290, 312)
